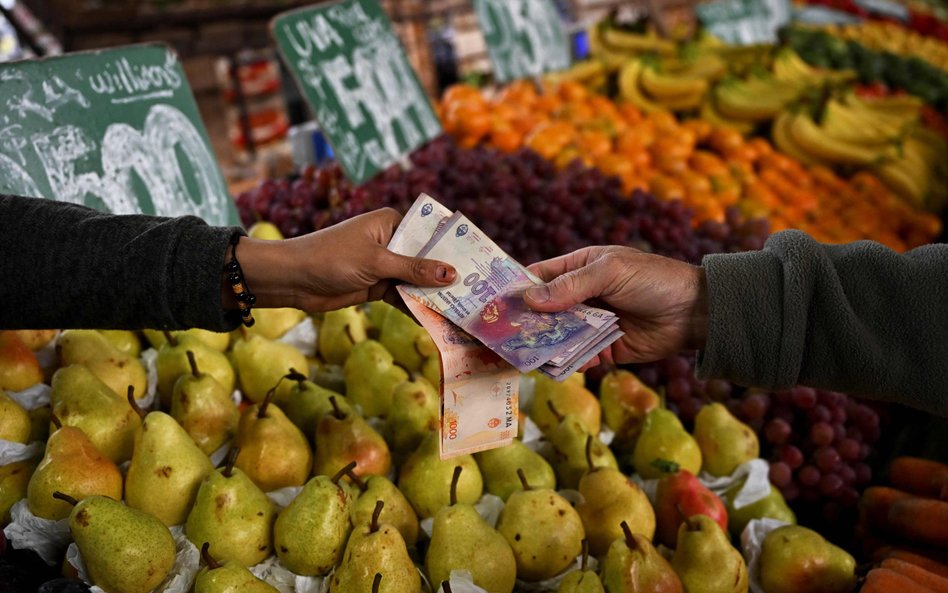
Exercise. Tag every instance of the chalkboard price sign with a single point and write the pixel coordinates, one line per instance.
(117, 130)
(356, 77)
(525, 38)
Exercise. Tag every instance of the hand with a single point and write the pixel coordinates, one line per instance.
(338, 266)
(661, 302)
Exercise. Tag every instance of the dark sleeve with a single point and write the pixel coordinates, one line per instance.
(858, 318)
(67, 266)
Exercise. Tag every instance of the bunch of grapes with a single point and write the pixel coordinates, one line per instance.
(532, 210)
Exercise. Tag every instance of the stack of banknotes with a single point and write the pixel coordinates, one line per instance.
(484, 330)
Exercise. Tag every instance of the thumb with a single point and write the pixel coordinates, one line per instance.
(564, 291)
(417, 270)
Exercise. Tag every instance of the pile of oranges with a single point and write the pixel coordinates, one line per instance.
(709, 168)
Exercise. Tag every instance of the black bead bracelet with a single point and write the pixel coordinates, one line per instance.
(235, 276)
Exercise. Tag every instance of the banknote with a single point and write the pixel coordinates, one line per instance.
(561, 372)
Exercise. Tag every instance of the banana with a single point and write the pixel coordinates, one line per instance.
(582, 72)
(710, 114)
(707, 66)
(843, 124)
(891, 115)
(629, 87)
(780, 132)
(903, 180)
(636, 42)
(811, 139)
(683, 103)
(664, 87)
(743, 100)
(789, 66)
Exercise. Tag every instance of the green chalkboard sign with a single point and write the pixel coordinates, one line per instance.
(355, 75)
(117, 130)
(744, 22)
(525, 38)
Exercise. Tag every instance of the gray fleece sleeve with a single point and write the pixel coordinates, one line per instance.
(67, 266)
(858, 318)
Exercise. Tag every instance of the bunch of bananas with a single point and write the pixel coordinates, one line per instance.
(669, 84)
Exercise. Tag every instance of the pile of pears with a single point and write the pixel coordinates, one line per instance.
(354, 432)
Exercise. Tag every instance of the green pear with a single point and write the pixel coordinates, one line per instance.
(261, 363)
(36, 339)
(543, 529)
(408, 342)
(165, 461)
(80, 399)
(794, 558)
(204, 408)
(499, 468)
(415, 412)
(609, 500)
(273, 452)
(425, 478)
(625, 401)
(375, 314)
(271, 324)
(705, 560)
(233, 515)
(371, 378)
(772, 506)
(125, 550)
(397, 511)
(14, 481)
(568, 398)
(113, 367)
(633, 565)
(343, 437)
(19, 367)
(376, 549)
(15, 423)
(462, 540)
(570, 460)
(431, 370)
(219, 341)
(172, 362)
(310, 534)
(266, 231)
(339, 332)
(39, 423)
(123, 341)
(663, 437)
(308, 402)
(72, 465)
(725, 441)
(583, 580)
(228, 577)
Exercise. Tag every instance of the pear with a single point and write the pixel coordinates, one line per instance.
(308, 402)
(328, 376)
(375, 313)
(376, 549)
(15, 423)
(172, 362)
(425, 478)
(219, 341)
(233, 514)
(663, 437)
(272, 323)
(570, 459)
(113, 367)
(568, 398)
(725, 441)
(397, 511)
(499, 469)
(204, 408)
(705, 560)
(80, 399)
(74, 466)
(371, 378)
(123, 340)
(625, 401)
(39, 422)
(415, 412)
(609, 500)
(339, 332)
(583, 580)
(772, 506)
(543, 529)
(166, 471)
(19, 367)
(431, 370)
(408, 342)
(36, 339)
(228, 577)
(125, 550)
(310, 534)
(273, 452)
(343, 437)
(679, 495)
(261, 363)
(266, 231)
(794, 558)
(14, 480)
(633, 565)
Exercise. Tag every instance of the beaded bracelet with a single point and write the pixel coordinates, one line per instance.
(235, 275)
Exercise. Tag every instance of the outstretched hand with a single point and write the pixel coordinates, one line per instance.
(661, 302)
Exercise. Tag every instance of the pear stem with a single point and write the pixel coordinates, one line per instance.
(65, 497)
(359, 482)
(56, 421)
(589, 453)
(629, 538)
(556, 413)
(169, 337)
(377, 581)
(346, 471)
(211, 562)
(262, 412)
(194, 365)
(348, 330)
(295, 375)
(585, 557)
(229, 461)
(454, 484)
(339, 414)
(374, 525)
(445, 587)
(681, 512)
(523, 478)
(131, 401)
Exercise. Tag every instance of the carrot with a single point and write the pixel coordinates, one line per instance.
(918, 476)
(875, 504)
(934, 564)
(884, 580)
(936, 583)
(920, 520)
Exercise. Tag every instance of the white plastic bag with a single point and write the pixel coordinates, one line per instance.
(756, 486)
(26, 531)
(11, 452)
(303, 337)
(149, 358)
(460, 581)
(752, 538)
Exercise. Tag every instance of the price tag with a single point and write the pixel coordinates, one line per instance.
(355, 75)
(117, 130)
(525, 38)
(744, 22)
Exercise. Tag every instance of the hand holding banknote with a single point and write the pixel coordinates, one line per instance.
(661, 303)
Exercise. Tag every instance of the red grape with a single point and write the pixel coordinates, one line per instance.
(826, 458)
(808, 475)
(777, 431)
(754, 406)
(821, 434)
(849, 449)
(830, 485)
(780, 474)
(803, 397)
(792, 456)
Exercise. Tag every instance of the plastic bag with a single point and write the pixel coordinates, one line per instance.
(46, 537)
(752, 538)
(460, 581)
(303, 337)
(756, 486)
(284, 496)
(32, 397)
(532, 435)
(271, 571)
(11, 452)
(149, 358)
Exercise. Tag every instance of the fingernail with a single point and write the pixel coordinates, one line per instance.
(445, 273)
(539, 294)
